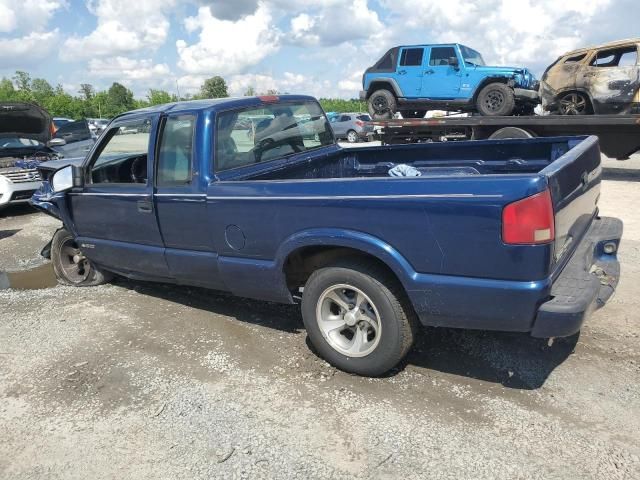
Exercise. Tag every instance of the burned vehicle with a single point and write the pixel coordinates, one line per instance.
(25, 141)
(596, 80)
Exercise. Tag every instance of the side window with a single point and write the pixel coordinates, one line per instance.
(345, 118)
(411, 57)
(441, 56)
(575, 58)
(176, 149)
(122, 155)
(619, 57)
(245, 137)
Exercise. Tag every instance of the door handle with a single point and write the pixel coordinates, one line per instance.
(402, 72)
(429, 72)
(145, 206)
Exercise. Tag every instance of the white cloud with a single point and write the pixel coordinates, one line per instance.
(27, 15)
(123, 68)
(527, 32)
(27, 49)
(124, 27)
(337, 22)
(226, 47)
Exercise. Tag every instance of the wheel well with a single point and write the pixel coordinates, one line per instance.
(380, 86)
(301, 263)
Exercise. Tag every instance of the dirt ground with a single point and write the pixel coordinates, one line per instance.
(144, 381)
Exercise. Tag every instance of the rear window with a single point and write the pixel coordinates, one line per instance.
(411, 57)
(246, 137)
(364, 118)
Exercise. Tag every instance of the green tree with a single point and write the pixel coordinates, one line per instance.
(158, 97)
(119, 99)
(214, 87)
(250, 91)
(7, 92)
(86, 91)
(22, 81)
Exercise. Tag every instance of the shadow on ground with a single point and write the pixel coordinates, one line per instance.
(514, 360)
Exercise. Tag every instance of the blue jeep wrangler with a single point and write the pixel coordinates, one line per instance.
(414, 79)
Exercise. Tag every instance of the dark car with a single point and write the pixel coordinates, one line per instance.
(75, 139)
(596, 80)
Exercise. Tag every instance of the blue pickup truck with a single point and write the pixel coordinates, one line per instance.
(233, 195)
(416, 78)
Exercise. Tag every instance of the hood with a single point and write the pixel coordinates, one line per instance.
(503, 70)
(24, 120)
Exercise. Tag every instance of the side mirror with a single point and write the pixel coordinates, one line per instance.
(453, 61)
(56, 142)
(66, 178)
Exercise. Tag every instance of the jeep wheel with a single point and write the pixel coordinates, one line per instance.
(573, 103)
(381, 105)
(496, 99)
(413, 113)
(71, 266)
(358, 318)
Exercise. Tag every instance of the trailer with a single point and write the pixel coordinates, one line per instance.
(619, 134)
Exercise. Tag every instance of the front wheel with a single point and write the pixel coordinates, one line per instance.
(71, 266)
(496, 99)
(574, 103)
(352, 136)
(358, 318)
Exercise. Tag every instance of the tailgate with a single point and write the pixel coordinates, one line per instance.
(574, 182)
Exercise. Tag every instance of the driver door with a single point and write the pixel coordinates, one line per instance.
(114, 213)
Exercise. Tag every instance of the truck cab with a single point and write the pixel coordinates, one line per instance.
(416, 78)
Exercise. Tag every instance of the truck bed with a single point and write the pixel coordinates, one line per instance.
(433, 160)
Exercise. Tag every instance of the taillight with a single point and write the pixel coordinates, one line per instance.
(359, 123)
(529, 221)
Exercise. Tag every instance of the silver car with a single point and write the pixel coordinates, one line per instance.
(352, 126)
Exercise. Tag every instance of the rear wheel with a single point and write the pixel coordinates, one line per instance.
(71, 266)
(510, 132)
(574, 103)
(496, 99)
(358, 318)
(382, 105)
(352, 136)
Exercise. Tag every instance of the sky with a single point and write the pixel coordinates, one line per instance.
(316, 47)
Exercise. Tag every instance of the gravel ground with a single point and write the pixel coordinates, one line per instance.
(137, 380)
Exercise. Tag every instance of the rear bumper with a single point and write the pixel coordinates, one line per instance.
(551, 307)
(587, 281)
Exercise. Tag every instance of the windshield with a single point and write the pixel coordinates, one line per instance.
(12, 143)
(471, 56)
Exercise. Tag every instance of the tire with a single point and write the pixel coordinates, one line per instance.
(413, 113)
(70, 266)
(375, 337)
(509, 133)
(382, 105)
(496, 99)
(352, 136)
(574, 103)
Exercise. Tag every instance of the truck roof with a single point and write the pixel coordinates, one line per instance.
(218, 104)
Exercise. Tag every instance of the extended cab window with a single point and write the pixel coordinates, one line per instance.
(441, 56)
(245, 137)
(176, 148)
(411, 57)
(122, 157)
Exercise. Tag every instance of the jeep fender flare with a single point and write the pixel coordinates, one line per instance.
(390, 82)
